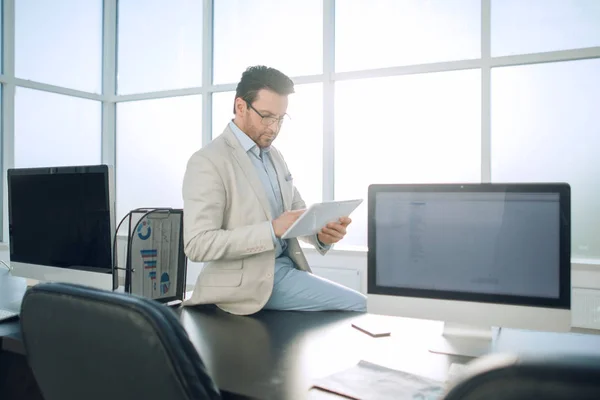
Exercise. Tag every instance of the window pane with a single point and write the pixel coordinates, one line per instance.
(300, 140)
(387, 33)
(4, 228)
(222, 111)
(533, 26)
(59, 42)
(160, 45)
(407, 129)
(261, 32)
(155, 139)
(55, 130)
(1, 39)
(545, 127)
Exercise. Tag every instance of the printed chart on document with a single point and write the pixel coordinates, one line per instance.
(152, 251)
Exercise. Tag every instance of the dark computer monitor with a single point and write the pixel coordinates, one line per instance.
(61, 224)
(472, 255)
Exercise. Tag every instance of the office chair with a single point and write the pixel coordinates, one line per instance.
(85, 343)
(512, 377)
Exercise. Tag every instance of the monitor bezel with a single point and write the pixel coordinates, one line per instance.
(103, 169)
(564, 191)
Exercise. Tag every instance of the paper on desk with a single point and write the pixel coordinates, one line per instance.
(154, 255)
(456, 372)
(371, 381)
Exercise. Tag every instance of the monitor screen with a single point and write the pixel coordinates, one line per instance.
(468, 243)
(60, 217)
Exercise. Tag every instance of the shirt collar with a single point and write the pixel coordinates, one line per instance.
(247, 143)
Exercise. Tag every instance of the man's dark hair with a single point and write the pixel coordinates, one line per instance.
(261, 77)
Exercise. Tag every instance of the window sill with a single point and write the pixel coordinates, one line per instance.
(361, 251)
(340, 249)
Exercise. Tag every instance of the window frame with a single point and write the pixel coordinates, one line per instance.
(328, 77)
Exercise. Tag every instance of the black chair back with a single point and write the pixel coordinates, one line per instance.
(526, 377)
(85, 343)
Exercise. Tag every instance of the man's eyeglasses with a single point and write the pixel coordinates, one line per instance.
(268, 120)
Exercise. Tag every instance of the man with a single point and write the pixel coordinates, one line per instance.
(239, 199)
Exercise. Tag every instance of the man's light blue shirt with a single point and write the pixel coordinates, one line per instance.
(261, 159)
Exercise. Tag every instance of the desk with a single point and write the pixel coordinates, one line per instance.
(11, 293)
(277, 354)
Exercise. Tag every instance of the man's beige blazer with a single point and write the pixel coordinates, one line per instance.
(227, 225)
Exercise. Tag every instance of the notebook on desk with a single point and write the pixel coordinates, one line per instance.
(371, 381)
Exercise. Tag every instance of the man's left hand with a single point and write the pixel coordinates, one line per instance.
(333, 232)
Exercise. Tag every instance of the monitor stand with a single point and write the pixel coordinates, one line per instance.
(464, 340)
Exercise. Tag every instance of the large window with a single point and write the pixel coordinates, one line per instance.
(409, 129)
(55, 130)
(300, 139)
(283, 34)
(159, 45)
(406, 91)
(154, 142)
(59, 42)
(388, 33)
(546, 128)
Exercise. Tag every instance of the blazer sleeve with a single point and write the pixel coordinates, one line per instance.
(204, 203)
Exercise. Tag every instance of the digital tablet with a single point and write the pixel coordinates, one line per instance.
(318, 215)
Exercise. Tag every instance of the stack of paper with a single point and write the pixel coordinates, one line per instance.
(372, 381)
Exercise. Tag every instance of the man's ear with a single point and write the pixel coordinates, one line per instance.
(240, 106)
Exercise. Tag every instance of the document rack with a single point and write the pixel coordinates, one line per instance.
(155, 263)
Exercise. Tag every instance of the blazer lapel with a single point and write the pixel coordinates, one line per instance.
(249, 171)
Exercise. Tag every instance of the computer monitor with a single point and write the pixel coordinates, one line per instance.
(475, 256)
(61, 224)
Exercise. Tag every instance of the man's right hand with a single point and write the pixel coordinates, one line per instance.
(285, 220)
